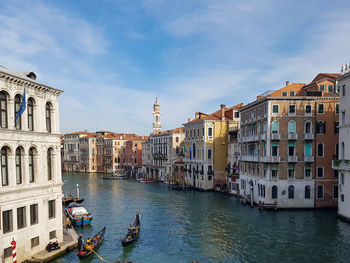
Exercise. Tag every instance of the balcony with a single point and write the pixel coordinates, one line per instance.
(270, 159)
(309, 136)
(275, 136)
(342, 165)
(263, 137)
(292, 136)
(309, 159)
(292, 159)
(250, 158)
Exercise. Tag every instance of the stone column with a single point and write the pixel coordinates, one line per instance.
(11, 169)
(11, 114)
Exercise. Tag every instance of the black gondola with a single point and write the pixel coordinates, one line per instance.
(67, 201)
(95, 243)
(132, 235)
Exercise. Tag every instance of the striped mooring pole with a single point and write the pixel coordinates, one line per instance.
(13, 243)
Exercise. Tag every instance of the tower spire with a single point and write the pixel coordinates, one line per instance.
(157, 127)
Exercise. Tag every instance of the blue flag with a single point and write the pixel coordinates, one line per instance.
(23, 106)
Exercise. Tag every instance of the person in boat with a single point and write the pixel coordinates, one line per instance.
(80, 242)
(88, 245)
(138, 218)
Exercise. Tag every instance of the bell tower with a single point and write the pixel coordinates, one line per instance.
(157, 127)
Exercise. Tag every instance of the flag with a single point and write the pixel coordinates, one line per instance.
(23, 105)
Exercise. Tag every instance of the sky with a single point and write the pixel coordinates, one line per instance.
(112, 58)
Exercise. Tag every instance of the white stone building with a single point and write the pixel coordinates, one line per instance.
(31, 184)
(343, 164)
(71, 159)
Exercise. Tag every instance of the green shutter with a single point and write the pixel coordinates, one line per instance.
(307, 149)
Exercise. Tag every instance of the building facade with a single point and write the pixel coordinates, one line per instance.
(206, 147)
(31, 184)
(342, 163)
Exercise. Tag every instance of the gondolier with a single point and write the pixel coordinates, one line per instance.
(138, 218)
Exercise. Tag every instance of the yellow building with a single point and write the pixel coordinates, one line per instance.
(206, 147)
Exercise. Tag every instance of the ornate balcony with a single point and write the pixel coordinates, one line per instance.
(342, 165)
(309, 159)
(309, 136)
(292, 159)
(275, 136)
(292, 136)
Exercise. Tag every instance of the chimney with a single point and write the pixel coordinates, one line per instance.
(287, 83)
(222, 106)
(196, 115)
(199, 115)
(189, 119)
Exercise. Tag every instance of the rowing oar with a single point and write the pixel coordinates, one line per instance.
(97, 254)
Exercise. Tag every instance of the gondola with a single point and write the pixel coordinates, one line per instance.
(95, 244)
(67, 201)
(131, 236)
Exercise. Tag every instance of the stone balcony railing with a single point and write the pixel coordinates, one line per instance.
(292, 136)
(270, 159)
(263, 137)
(250, 158)
(309, 136)
(292, 159)
(275, 136)
(342, 165)
(309, 159)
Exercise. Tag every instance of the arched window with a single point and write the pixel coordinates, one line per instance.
(291, 192)
(307, 192)
(291, 127)
(3, 110)
(18, 121)
(30, 109)
(4, 167)
(308, 127)
(274, 127)
(321, 127)
(274, 192)
(31, 166)
(48, 110)
(320, 150)
(18, 160)
(49, 164)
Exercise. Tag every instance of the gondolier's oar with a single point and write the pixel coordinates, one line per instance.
(96, 254)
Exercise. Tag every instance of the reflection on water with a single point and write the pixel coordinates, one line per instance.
(208, 227)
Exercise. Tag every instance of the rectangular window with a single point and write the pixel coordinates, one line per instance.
(307, 149)
(343, 91)
(203, 131)
(52, 209)
(35, 241)
(322, 88)
(307, 172)
(291, 93)
(52, 234)
(342, 197)
(292, 109)
(210, 132)
(284, 93)
(330, 88)
(337, 108)
(21, 217)
(290, 172)
(7, 221)
(190, 133)
(308, 109)
(236, 114)
(274, 149)
(335, 191)
(7, 252)
(274, 172)
(275, 109)
(320, 108)
(320, 191)
(291, 149)
(209, 154)
(320, 172)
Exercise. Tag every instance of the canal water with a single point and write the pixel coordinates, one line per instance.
(181, 226)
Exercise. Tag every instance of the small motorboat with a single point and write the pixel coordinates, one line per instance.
(92, 244)
(132, 235)
(143, 180)
(78, 214)
(110, 177)
(121, 176)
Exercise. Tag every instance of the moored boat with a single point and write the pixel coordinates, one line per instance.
(143, 180)
(92, 244)
(132, 235)
(67, 201)
(78, 214)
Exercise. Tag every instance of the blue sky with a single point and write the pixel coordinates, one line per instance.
(112, 58)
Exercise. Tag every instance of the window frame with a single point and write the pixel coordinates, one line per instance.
(278, 109)
(3, 110)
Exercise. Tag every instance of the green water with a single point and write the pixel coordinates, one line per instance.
(207, 227)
